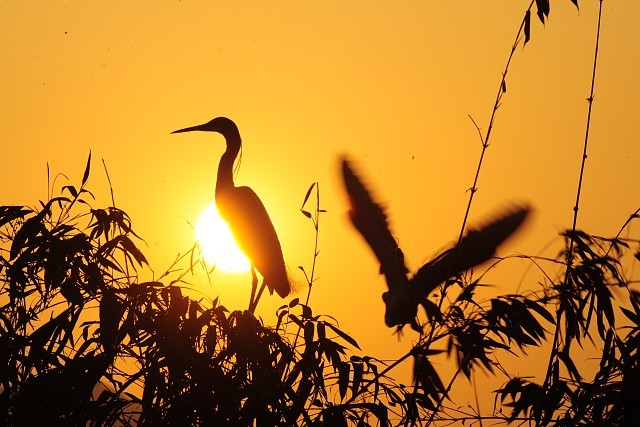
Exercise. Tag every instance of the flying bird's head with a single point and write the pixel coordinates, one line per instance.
(224, 126)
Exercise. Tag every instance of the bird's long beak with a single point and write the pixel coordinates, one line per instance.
(190, 129)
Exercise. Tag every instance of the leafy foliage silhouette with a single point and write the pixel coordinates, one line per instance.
(85, 340)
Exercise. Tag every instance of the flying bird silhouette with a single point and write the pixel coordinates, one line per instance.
(405, 294)
(248, 219)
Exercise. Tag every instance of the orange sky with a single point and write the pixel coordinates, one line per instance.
(390, 84)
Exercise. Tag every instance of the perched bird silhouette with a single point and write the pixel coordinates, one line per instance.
(405, 294)
(241, 207)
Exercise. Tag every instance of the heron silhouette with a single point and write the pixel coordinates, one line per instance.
(405, 294)
(246, 215)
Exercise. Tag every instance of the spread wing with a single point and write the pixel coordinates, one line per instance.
(370, 220)
(476, 247)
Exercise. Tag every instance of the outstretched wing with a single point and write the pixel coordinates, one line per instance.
(370, 220)
(476, 247)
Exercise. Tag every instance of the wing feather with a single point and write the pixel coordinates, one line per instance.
(370, 220)
(476, 247)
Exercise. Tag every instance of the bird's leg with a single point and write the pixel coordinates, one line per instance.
(254, 285)
(253, 302)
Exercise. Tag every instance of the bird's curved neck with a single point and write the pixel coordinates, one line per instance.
(225, 168)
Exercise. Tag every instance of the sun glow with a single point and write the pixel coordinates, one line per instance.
(217, 243)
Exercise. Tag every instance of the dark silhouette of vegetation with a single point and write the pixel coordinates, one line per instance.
(86, 340)
(83, 339)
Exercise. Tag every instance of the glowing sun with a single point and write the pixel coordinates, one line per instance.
(216, 241)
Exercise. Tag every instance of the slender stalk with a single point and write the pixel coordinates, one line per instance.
(473, 189)
(586, 138)
(485, 140)
(311, 277)
(557, 334)
(485, 144)
(316, 224)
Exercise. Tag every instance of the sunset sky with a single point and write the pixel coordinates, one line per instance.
(389, 84)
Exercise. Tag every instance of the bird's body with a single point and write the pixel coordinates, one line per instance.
(247, 216)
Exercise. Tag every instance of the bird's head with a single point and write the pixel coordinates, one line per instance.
(224, 126)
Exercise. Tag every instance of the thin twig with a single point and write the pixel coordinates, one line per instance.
(316, 224)
(485, 139)
(310, 279)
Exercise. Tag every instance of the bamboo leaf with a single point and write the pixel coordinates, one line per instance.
(305, 213)
(10, 213)
(110, 312)
(527, 27)
(343, 379)
(27, 233)
(344, 336)
(357, 377)
(86, 170)
(132, 249)
(306, 197)
(543, 9)
(71, 189)
(308, 333)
